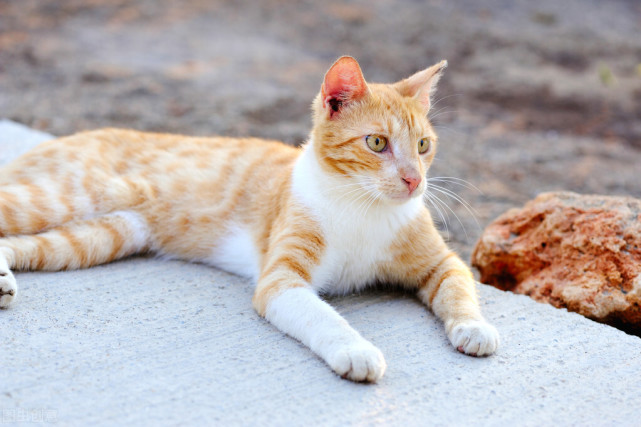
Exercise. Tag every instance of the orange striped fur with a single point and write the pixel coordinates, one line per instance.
(333, 217)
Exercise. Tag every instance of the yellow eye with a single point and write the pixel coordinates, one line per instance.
(376, 142)
(424, 145)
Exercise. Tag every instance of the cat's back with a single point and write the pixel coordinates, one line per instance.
(118, 152)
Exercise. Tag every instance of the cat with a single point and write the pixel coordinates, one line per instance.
(343, 212)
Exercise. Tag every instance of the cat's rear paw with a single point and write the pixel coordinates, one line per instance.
(8, 288)
(474, 337)
(358, 362)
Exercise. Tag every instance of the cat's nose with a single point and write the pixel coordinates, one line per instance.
(411, 182)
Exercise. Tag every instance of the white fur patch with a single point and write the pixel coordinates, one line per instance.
(140, 232)
(236, 253)
(357, 236)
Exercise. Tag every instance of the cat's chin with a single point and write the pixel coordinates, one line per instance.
(399, 199)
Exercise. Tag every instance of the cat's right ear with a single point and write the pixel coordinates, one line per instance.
(344, 83)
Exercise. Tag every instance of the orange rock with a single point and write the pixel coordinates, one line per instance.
(577, 252)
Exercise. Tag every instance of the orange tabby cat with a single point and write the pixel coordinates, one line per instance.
(343, 212)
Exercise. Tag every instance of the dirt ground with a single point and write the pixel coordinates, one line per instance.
(538, 96)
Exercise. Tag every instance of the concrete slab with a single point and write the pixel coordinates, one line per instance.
(152, 342)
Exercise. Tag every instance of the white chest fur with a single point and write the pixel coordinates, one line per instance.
(357, 235)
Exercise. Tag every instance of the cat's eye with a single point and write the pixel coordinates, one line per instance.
(376, 142)
(424, 145)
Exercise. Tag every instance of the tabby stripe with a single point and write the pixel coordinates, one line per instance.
(244, 178)
(333, 163)
(44, 249)
(89, 186)
(38, 199)
(390, 122)
(434, 269)
(9, 216)
(430, 276)
(344, 143)
(308, 253)
(444, 277)
(9, 213)
(64, 198)
(336, 167)
(351, 162)
(270, 216)
(266, 293)
(308, 242)
(291, 263)
(76, 246)
(312, 240)
(116, 239)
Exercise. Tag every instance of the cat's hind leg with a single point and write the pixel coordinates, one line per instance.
(34, 206)
(78, 244)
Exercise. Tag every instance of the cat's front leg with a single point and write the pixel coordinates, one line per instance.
(450, 290)
(293, 307)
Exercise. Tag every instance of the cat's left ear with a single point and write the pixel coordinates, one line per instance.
(344, 83)
(422, 85)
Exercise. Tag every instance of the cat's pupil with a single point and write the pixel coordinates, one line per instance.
(424, 145)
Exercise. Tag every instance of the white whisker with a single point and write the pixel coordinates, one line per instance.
(463, 202)
(440, 113)
(430, 198)
(456, 181)
(445, 97)
(375, 197)
(442, 203)
(456, 197)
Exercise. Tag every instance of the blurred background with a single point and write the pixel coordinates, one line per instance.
(538, 96)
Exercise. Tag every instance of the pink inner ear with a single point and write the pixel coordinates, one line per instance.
(424, 96)
(422, 85)
(343, 83)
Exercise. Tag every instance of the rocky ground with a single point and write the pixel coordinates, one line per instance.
(539, 96)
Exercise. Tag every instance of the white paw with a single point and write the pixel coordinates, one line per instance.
(8, 288)
(474, 337)
(360, 361)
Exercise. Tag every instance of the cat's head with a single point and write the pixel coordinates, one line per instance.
(376, 136)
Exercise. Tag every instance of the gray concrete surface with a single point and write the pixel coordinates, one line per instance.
(153, 342)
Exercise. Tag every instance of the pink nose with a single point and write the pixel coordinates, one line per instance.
(411, 182)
